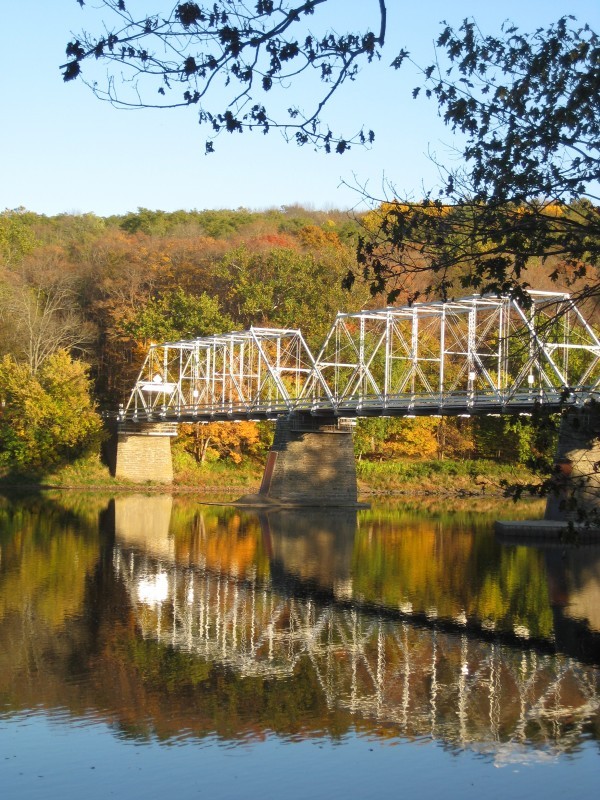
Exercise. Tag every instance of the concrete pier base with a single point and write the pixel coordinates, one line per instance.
(573, 505)
(311, 463)
(575, 495)
(143, 452)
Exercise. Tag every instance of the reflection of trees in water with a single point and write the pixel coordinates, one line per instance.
(452, 572)
(50, 551)
(71, 637)
(445, 565)
(385, 672)
(46, 551)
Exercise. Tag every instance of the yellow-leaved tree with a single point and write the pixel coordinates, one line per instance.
(46, 418)
(214, 440)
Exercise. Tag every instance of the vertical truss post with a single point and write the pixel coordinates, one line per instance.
(361, 360)
(213, 371)
(533, 352)
(502, 346)
(442, 354)
(241, 370)
(388, 356)
(566, 337)
(471, 348)
(414, 347)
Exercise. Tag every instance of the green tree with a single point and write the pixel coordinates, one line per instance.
(176, 314)
(523, 440)
(48, 417)
(505, 438)
(276, 287)
(16, 237)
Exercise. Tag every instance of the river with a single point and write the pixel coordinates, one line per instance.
(154, 646)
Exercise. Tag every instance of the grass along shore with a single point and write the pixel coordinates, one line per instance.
(401, 477)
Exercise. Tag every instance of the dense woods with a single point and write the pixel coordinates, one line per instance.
(82, 297)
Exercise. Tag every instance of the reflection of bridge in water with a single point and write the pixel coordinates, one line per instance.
(423, 680)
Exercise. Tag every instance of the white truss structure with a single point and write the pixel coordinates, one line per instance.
(478, 354)
(244, 375)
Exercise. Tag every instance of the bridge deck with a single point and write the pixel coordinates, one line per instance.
(366, 407)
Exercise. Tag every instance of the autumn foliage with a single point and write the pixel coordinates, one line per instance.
(100, 290)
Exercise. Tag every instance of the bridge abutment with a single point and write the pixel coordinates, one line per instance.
(311, 463)
(576, 491)
(142, 452)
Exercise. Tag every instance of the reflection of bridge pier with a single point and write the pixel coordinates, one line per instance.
(143, 522)
(574, 587)
(311, 551)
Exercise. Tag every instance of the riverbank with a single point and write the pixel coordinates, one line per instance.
(390, 478)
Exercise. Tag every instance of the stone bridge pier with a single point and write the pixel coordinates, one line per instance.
(311, 462)
(140, 452)
(575, 494)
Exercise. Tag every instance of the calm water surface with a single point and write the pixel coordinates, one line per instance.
(153, 646)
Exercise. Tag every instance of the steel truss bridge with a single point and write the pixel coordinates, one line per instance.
(475, 355)
(498, 699)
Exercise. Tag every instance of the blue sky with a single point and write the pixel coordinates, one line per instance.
(65, 151)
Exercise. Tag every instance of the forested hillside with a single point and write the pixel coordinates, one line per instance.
(81, 298)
